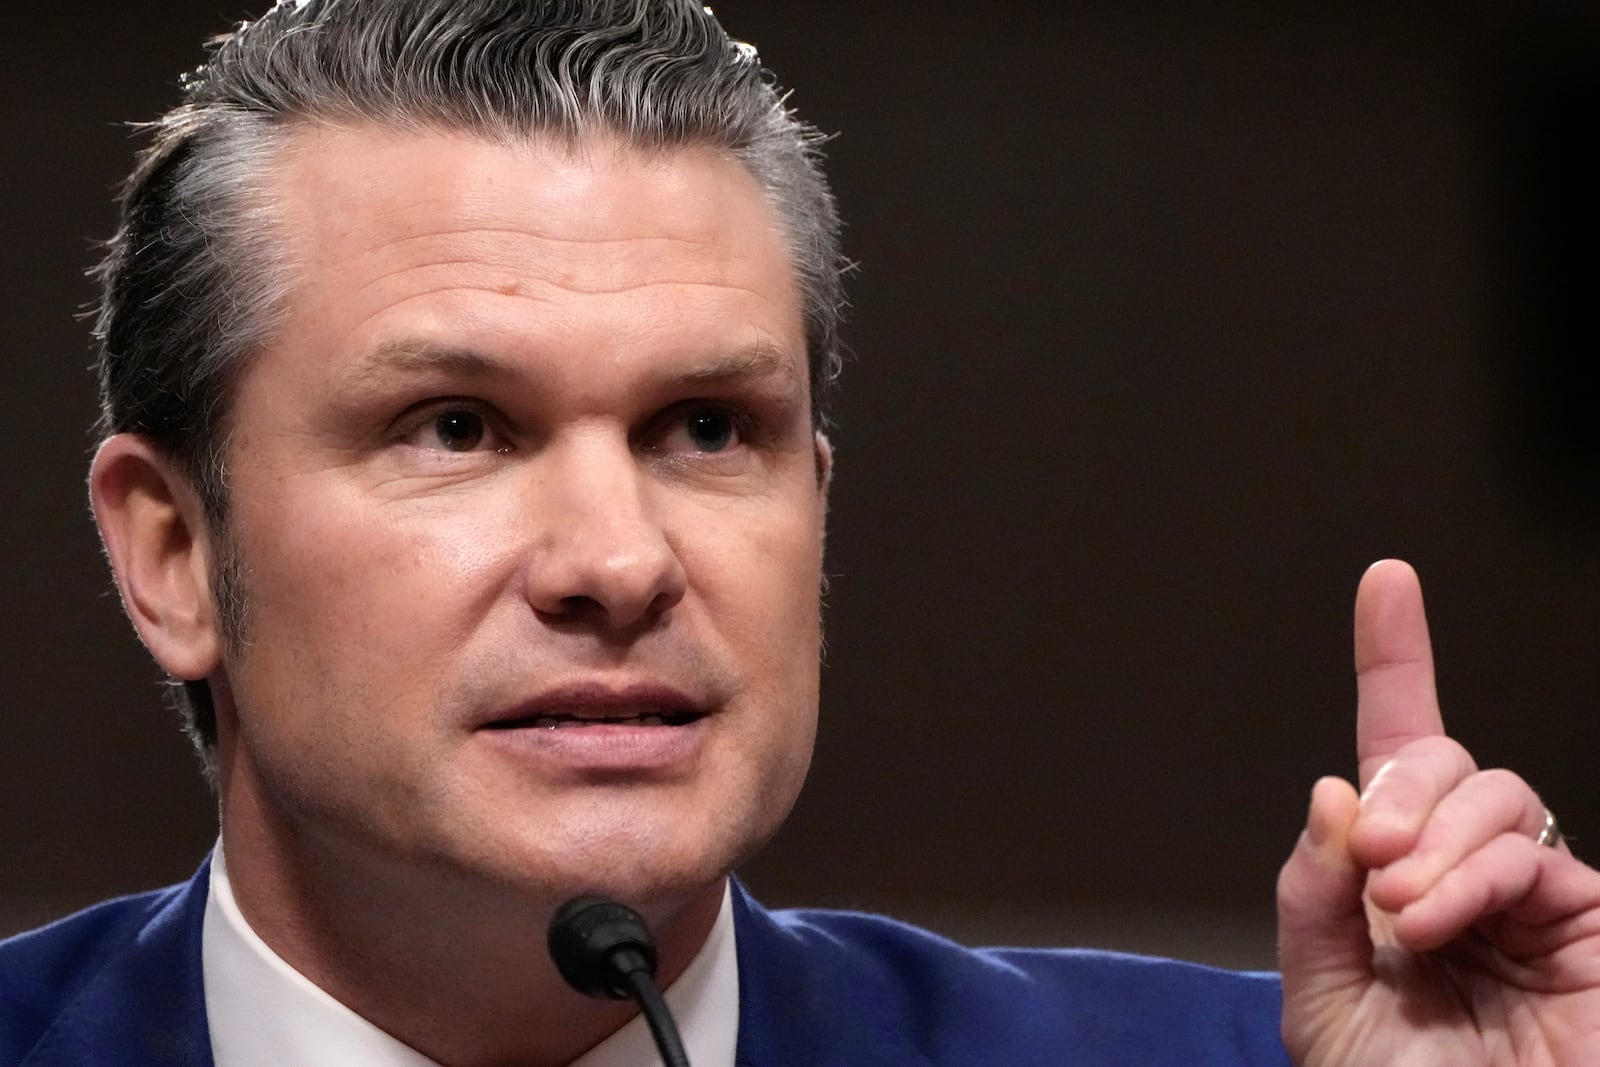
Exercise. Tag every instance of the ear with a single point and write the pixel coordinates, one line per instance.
(824, 453)
(156, 536)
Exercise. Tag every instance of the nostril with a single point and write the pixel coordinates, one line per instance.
(579, 608)
(614, 614)
(597, 569)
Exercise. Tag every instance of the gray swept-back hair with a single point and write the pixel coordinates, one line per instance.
(192, 282)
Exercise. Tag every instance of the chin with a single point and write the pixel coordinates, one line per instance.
(644, 862)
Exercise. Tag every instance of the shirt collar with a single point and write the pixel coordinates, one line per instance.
(264, 1013)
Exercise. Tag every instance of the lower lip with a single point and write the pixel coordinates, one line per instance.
(603, 748)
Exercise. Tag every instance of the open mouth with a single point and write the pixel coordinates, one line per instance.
(559, 721)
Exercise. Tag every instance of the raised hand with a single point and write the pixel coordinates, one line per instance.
(1421, 923)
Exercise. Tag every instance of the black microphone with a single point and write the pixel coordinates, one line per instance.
(603, 949)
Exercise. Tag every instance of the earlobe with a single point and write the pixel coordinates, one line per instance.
(156, 537)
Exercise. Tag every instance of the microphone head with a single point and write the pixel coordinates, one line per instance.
(596, 943)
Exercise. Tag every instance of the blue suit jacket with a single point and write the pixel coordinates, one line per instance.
(119, 986)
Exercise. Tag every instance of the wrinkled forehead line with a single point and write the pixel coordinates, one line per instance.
(612, 156)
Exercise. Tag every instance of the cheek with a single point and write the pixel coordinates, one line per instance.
(762, 592)
(762, 580)
(372, 567)
(360, 606)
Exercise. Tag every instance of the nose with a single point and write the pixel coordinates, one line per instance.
(603, 556)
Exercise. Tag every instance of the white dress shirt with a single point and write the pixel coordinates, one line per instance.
(264, 1013)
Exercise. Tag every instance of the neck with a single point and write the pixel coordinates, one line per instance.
(454, 969)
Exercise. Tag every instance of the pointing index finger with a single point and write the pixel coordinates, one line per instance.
(1396, 699)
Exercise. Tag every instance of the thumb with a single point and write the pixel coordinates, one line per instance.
(1324, 942)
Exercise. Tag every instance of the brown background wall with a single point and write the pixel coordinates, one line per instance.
(1168, 322)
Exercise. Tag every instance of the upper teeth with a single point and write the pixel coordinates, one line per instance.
(550, 722)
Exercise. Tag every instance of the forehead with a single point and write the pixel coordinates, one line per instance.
(599, 189)
(387, 234)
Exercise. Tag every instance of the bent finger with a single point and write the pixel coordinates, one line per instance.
(1489, 882)
(1479, 809)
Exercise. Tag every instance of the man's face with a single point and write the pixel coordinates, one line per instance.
(526, 499)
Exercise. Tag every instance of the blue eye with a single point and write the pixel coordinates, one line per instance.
(710, 431)
(459, 431)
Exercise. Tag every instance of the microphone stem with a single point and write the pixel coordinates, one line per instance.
(659, 1018)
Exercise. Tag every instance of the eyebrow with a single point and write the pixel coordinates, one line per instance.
(423, 356)
(763, 358)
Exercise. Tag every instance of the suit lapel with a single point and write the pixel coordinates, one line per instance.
(146, 1007)
(801, 1004)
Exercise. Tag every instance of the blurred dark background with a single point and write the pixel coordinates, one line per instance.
(1170, 318)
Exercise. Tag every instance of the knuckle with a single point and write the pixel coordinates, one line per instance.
(1503, 781)
(1433, 757)
(1447, 751)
